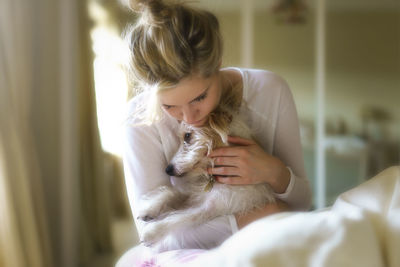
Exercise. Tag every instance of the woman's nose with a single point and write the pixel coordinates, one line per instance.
(189, 115)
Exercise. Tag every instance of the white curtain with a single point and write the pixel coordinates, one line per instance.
(24, 239)
(54, 208)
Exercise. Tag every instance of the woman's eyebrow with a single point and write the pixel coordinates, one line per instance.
(202, 94)
(194, 99)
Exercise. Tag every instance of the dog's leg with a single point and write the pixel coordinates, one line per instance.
(158, 202)
(155, 231)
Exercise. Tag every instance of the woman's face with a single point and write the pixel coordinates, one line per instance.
(192, 99)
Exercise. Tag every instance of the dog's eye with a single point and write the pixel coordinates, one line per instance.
(186, 137)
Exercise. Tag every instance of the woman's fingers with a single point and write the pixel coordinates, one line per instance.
(234, 180)
(240, 141)
(228, 151)
(224, 170)
(232, 151)
(243, 163)
(226, 161)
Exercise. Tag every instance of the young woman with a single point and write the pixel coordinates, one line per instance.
(176, 62)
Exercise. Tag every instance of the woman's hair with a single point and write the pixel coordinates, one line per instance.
(171, 41)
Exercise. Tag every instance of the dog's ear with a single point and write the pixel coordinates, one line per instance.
(231, 100)
(219, 122)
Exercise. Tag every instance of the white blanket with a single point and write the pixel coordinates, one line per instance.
(362, 228)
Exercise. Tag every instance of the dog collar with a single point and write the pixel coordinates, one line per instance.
(210, 184)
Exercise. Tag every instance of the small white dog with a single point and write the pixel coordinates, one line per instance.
(197, 198)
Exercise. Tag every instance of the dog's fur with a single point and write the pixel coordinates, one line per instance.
(188, 203)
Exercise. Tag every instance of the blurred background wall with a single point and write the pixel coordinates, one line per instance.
(361, 114)
(66, 87)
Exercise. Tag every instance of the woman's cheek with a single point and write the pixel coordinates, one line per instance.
(213, 105)
(173, 113)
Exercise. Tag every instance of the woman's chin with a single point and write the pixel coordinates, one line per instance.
(199, 123)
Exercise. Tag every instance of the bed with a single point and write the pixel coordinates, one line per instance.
(362, 228)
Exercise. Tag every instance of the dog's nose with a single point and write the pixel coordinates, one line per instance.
(170, 170)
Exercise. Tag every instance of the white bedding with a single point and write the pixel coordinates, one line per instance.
(362, 228)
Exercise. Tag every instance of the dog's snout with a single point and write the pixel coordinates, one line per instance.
(170, 170)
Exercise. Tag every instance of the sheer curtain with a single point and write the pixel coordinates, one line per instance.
(24, 239)
(54, 208)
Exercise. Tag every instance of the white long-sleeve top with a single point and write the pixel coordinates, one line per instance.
(270, 111)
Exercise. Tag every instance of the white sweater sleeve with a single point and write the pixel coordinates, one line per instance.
(287, 147)
(272, 115)
(144, 163)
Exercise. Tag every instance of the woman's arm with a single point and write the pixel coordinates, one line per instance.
(269, 209)
(283, 169)
(144, 169)
(288, 148)
(143, 160)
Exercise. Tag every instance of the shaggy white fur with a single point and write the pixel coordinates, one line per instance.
(197, 199)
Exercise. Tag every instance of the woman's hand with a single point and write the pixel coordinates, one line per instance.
(247, 163)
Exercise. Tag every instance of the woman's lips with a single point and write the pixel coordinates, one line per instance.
(198, 123)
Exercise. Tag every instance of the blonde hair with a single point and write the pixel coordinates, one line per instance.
(171, 41)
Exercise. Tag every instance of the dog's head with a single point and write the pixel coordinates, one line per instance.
(197, 142)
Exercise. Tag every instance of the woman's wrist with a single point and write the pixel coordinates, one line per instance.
(281, 178)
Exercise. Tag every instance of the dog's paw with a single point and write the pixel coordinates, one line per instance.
(144, 217)
(147, 212)
(152, 233)
(151, 212)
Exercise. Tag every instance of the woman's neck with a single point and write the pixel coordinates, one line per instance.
(232, 82)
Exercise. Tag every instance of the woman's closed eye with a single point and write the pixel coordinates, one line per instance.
(168, 106)
(200, 97)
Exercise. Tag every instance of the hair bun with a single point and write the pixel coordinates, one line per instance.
(141, 5)
(155, 11)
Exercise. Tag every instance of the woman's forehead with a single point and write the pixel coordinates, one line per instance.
(185, 91)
